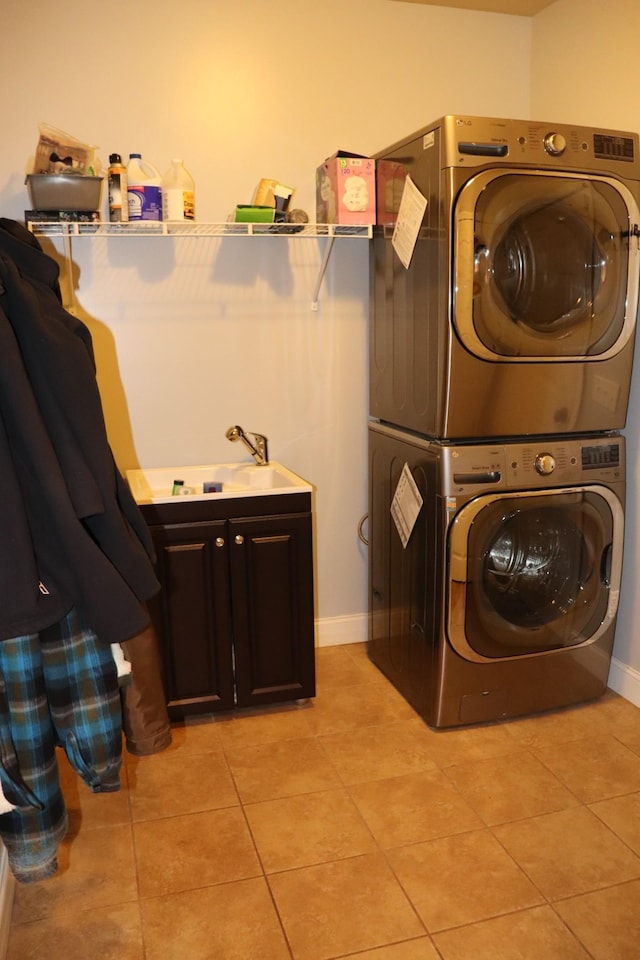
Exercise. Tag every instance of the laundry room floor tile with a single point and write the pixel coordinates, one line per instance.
(110, 933)
(611, 714)
(179, 853)
(312, 828)
(189, 738)
(510, 787)
(174, 783)
(413, 808)
(622, 815)
(595, 768)
(339, 908)
(447, 747)
(97, 869)
(335, 667)
(607, 922)
(230, 920)
(290, 723)
(421, 949)
(477, 879)
(568, 852)
(372, 753)
(289, 833)
(556, 726)
(629, 735)
(528, 935)
(614, 711)
(283, 768)
(351, 707)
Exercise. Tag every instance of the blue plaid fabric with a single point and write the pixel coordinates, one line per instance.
(58, 687)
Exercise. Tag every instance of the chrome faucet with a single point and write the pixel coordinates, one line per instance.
(255, 443)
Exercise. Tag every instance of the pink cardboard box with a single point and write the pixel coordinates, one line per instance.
(346, 189)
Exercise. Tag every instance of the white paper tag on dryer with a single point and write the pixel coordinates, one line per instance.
(406, 505)
(405, 233)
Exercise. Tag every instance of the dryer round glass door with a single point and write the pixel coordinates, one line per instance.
(533, 572)
(544, 268)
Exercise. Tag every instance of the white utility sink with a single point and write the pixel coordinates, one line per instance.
(155, 484)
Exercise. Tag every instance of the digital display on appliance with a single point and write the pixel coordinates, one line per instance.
(604, 455)
(606, 147)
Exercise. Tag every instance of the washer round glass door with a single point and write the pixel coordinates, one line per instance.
(543, 266)
(533, 572)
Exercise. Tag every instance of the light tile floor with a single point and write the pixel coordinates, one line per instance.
(348, 828)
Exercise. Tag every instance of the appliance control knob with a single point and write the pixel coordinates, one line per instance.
(545, 464)
(555, 144)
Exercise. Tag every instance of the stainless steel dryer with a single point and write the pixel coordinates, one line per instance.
(504, 600)
(517, 314)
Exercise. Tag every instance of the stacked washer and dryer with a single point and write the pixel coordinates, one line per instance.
(500, 368)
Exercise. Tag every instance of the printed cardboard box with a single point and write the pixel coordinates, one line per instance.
(346, 189)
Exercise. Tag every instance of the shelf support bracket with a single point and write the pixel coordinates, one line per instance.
(70, 303)
(323, 270)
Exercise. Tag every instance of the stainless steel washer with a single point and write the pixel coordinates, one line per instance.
(504, 600)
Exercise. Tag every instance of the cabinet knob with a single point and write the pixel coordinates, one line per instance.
(219, 541)
(239, 539)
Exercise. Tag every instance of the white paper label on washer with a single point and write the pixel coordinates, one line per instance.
(406, 505)
(428, 140)
(410, 215)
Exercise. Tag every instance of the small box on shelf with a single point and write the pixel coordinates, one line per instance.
(346, 189)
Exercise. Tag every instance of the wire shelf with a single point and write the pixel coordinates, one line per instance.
(149, 228)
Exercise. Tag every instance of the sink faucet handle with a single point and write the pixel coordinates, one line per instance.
(261, 446)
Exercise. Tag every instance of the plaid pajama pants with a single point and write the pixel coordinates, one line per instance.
(58, 687)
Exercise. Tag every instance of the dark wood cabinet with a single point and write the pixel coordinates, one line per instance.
(235, 614)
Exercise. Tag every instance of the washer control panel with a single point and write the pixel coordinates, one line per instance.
(485, 141)
(538, 463)
(565, 461)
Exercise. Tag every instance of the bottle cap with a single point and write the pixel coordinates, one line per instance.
(115, 158)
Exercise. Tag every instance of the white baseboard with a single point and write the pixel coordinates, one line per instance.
(7, 889)
(625, 680)
(332, 631)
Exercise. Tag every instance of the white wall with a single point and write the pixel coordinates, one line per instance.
(193, 336)
(583, 71)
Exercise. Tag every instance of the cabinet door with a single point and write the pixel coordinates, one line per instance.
(272, 599)
(193, 617)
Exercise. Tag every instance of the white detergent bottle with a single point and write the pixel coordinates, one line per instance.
(144, 190)
(178, 193)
